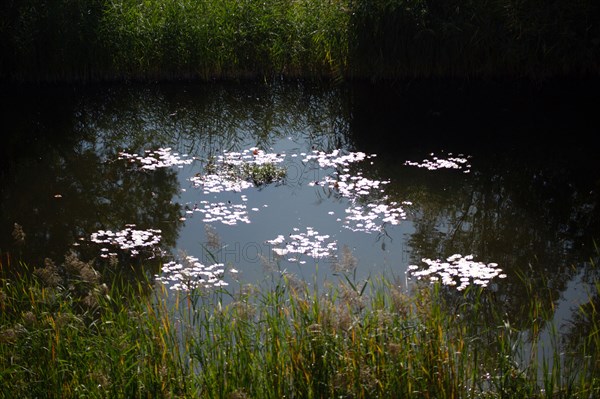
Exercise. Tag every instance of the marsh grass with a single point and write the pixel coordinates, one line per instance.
(346, 338)
(82, 40)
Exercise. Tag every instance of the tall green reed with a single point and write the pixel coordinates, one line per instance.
(223, 39)
(392, 39)
(62, 335)
(344, 338)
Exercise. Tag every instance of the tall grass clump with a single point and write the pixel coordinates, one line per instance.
(226, 38)
(166, 39)
(372, 339)
(464, 38)
(62, 335)
(67, 40)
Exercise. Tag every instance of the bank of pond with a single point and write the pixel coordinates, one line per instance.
(73, 335)
(99, 40)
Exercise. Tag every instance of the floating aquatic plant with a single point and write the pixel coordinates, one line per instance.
(459, 162)
(457, 270)
(220, 182)
(309, 243)
(252, 156)
(161, 158)
(357, 189)
(372, 217)
(191, 274)
(236, 171)
(226, 213)
(127, 239)
(336, 158)
(351, 186)
(261, 174)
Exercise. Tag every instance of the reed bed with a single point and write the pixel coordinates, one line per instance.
(70, 335)
(96, 40)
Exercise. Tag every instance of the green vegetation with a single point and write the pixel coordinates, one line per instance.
(82, 40)
(261, 175)
(64, 333)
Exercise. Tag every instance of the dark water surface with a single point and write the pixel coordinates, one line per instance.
(524, 194)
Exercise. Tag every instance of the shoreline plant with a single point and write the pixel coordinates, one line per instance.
(115, 40)
(289, 338)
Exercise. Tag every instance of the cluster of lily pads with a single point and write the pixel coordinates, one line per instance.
(190, 275)
(457, 270)
(452, 162)
(161, 158)
(129, 239)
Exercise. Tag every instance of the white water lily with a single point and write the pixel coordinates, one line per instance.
(191, 275)
(458, 162)
(457, 270)
(309, 243)
(226, 213)
(357, 189)
(335, 159)
(130, 239)
(161, 158)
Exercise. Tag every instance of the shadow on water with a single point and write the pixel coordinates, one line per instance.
(483, 116)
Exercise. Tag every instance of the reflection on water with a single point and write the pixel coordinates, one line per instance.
(116, 170)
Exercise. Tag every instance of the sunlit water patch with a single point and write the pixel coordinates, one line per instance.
(459, 162)
(457, 270)
(128, 239)
(217, 199)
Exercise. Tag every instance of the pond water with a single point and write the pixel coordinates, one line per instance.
(245, 180)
